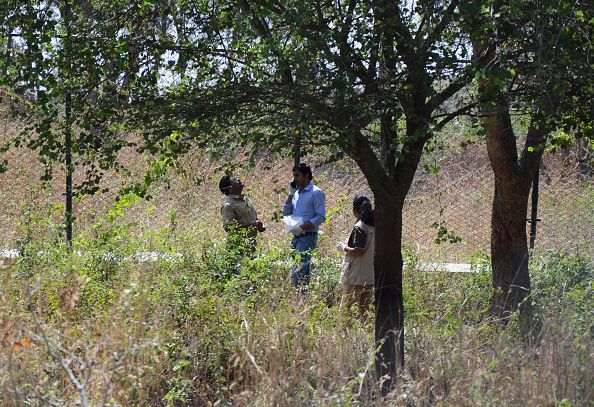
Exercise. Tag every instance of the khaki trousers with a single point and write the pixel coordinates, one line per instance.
(362, 295)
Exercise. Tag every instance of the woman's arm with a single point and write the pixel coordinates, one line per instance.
(359, 242)
(354, 251)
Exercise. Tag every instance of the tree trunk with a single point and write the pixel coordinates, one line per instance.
(509, 240)
(509, 248)
(390, 185)
(513, 177)
(389, 309)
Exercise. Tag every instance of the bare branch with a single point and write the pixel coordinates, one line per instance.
(64, 363)
(443, 23)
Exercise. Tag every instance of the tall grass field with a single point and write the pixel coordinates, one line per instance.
(102, 324)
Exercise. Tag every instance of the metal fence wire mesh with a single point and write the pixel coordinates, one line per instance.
(462, 193)
(458, 198)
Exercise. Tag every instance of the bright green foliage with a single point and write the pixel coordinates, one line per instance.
(540, 64)
(72, 67)
(564, 282)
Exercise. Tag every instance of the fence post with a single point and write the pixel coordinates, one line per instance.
(68, 132)
(68, 148)
(534, 211)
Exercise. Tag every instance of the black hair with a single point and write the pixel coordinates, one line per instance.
(362, 204)
(225, 184)
(304, 169)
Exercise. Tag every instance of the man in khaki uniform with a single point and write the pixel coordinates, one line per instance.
(240, 219)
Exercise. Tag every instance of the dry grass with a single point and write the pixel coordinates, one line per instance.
(77, 327)
(84, 327)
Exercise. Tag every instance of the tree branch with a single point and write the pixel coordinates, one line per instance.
(451, 116)
(361, 151)
(443, 23)
(263, 30)
(452, 88)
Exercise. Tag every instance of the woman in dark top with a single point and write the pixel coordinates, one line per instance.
(356, 274)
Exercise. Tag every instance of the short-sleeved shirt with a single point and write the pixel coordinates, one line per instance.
(359, 270)
(239, 210)
(358, 238)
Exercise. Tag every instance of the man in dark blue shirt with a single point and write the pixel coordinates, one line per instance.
(307, 202)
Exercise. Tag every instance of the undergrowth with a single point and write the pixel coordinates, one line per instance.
(172, 317)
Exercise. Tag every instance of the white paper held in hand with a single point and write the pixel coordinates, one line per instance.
(292, 224)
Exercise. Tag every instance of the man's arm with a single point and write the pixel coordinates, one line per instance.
(319, 207)
(228, 215)
(257, 223)
(288, 206)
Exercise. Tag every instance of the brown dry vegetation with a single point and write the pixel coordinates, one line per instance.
(97, 325)
(171, 334)
(459, 196)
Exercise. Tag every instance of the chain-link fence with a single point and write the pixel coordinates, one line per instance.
(460, 196)
(456, 200)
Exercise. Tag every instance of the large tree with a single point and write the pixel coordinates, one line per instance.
(535, 65)
(374, 80)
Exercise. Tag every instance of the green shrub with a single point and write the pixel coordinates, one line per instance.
(203, 322)
(562, 283)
